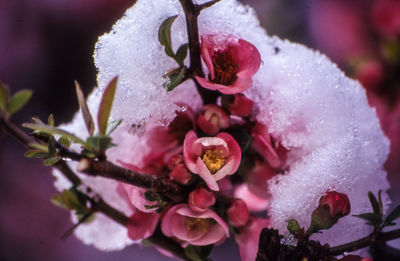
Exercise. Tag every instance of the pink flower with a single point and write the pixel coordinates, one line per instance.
(231, 63)
(180, 174)
(370, 74)
(238, 105)
(386, 17)
(212, 119)
(248, 238)
(253, 202)
(194, 228)
(262, 143)
(339, 204)
(238, 213)
(258, 177)
(211, 157)
(201, 199)
(142, 225)
(137, 199)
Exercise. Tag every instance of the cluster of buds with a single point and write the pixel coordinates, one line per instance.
(220, 154)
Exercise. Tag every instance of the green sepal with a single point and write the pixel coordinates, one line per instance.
(321, 219)
(18, 100)
(164, 35)
(106, 105)
(293, 226)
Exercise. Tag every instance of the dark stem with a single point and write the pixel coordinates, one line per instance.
(192, 12)
(109, 170)
(207, 4)
(364, 242)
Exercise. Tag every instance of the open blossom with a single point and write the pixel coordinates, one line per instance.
(211, 157)
(198, 229)
(248, 238)
(231, 63)
(142, 225)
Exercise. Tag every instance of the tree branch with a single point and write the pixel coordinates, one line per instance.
(192, 11)
(364, 242)
(207, 4)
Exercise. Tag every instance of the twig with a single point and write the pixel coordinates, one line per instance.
(192, 11)
(207, 4)
(364, 242)
(109, 170)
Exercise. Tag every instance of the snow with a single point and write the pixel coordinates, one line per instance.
(334, 137)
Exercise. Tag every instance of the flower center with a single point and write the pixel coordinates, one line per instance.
(213, 159)
(197, 224)
(224, 68)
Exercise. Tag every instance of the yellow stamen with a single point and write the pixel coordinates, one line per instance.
(214, 160)
(224, 69)
(197, 224)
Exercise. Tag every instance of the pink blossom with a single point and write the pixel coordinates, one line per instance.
(386, 17)
(137, 199)
(211, 157)
(258, 177)
(253, 202)
(201, 199)
(194, 228)
(370, 74)
(142, 225)
(212, 119)
(238, 105)
(231, 63)
(248, 238)
(238, 213)
(262, 143)
(180, 174)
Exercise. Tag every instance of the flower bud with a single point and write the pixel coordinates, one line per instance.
(180, 174)
(238, 213)
(332, 206)
(200, 199)
(212, 119)
(370, 74)
(238, 105)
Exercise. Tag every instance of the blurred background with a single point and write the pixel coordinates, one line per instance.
(47, 44)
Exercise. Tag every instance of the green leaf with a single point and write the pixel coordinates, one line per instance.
(51, 147)
(106, 105)
(395, 214)
(113, 126)
(18, 100)
(50, 120)
(38, 146)
(164, 35)
(72, 201)
(293, 226)
(53, 130)
(3, 97)
(181, 54)
(64, 141)
(374, 203)
(51, 161)
(58, 201)
(372, 218)
(175, 79)
(85, 109)
(98, 143)
(36, 154)
(198, 253)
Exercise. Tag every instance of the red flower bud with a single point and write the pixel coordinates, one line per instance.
(339, 204)
(238, 213)
(212, 119)
(238, 105)
(201, 199)
(180, 174)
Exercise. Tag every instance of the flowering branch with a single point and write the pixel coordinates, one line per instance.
(192, 12)
(109, 170)
(97, 203)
